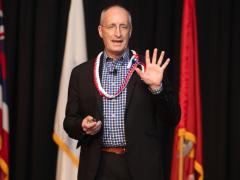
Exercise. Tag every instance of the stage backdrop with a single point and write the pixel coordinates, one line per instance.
(35, 38)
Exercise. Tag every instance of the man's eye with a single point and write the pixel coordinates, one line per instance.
(110, 27)
(124, 27)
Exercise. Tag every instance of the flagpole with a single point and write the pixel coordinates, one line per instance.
(181, 160)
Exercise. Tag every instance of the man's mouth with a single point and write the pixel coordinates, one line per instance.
(117, 41)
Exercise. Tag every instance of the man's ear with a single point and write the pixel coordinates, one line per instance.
(130, 33)
(100, 30)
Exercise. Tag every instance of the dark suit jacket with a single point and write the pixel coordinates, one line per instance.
(143, 113)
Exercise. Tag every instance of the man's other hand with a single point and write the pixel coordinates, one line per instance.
(90, 126)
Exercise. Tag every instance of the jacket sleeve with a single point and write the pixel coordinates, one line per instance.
(73, 118)
(167, 102)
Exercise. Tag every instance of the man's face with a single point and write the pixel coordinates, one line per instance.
(115, 30)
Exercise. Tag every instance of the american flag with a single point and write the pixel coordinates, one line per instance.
(4, 127)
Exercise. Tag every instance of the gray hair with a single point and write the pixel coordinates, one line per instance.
(109, 7)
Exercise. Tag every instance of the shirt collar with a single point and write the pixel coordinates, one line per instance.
(123, 58)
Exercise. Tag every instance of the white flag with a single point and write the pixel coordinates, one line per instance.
(75, 53)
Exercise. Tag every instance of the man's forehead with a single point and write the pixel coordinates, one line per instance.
(115, 13)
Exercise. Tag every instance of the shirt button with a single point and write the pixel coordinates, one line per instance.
(113, 115)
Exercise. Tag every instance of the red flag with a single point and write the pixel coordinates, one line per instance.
(4, 129)
(187, 152)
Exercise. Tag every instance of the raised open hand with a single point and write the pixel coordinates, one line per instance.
(153, 73)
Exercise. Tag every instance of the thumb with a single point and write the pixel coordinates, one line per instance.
(89, 117)
(139, 72)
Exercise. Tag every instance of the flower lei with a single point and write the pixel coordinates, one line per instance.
(133, 63)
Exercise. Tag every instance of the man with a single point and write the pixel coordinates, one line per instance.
(115, 104)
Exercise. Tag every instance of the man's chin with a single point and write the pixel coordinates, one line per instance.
(117, 51)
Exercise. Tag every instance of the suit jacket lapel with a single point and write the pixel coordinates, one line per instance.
(130, 89)
(97, 95)
(99, 105)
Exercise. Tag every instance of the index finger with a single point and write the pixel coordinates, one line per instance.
(90, 125)
(147, 57)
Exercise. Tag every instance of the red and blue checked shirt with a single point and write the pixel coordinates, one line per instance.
(113, 74)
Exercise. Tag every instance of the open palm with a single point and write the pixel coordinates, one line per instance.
(153, 73)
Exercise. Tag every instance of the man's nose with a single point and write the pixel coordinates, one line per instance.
(117, 31)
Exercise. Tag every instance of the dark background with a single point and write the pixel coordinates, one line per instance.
(35, 37)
